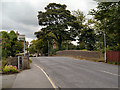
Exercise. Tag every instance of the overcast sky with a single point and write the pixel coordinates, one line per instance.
(21, 15)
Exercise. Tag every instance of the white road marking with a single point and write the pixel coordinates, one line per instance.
(110, 73)
(54, 86)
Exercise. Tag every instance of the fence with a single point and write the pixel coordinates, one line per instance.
(113, 56)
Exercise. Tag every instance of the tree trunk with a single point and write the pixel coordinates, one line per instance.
(60, 42)
(59, 45)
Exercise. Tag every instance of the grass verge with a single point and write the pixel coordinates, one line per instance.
(114, 63)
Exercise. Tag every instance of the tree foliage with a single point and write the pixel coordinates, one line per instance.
(38, 46)
(10, 45)
(56, 20)
(59, 25)
(108, 20)
(84, 33)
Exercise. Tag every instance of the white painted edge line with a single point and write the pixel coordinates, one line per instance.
(54, 86)
(110, 73)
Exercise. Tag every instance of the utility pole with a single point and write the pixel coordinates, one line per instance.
(105, 40)
(48, 47)
(105, 46)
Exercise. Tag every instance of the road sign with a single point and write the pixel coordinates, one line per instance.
(21, 37)
(54, 46)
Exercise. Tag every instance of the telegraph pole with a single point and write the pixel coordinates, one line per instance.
(105, 41)
(48, 47)
(105, 46)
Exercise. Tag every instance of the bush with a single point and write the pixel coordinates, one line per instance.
(10, 69)
(115, 63)
(4, 63)
(30, 61)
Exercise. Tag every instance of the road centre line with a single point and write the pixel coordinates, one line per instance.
(110, 73)
(54, 86)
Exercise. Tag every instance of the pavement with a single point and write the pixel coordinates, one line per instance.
(72, 73)
(8, 80)
(31, 78)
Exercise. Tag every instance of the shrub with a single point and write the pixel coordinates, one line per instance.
(4, 63)
(10, 69)
(30, 61)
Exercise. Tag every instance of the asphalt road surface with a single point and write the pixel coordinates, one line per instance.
(72, 73)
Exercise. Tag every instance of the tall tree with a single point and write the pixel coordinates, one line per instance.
(38, 46)
(12, 40)
(56, 20)
(10, 45)
(108, 17)
(87, 38)
(80, 16)
(78, 24)
(32, 47)
(5, 44)
(85, 34)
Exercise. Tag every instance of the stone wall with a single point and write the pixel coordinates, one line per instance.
(0, 65)
(26, 64)
(80, 54)
(14, 61)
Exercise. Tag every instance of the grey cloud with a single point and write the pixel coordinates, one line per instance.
(22, 16)
(28, 30)
(20, 12)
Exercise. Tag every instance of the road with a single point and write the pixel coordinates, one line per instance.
(72, 73)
